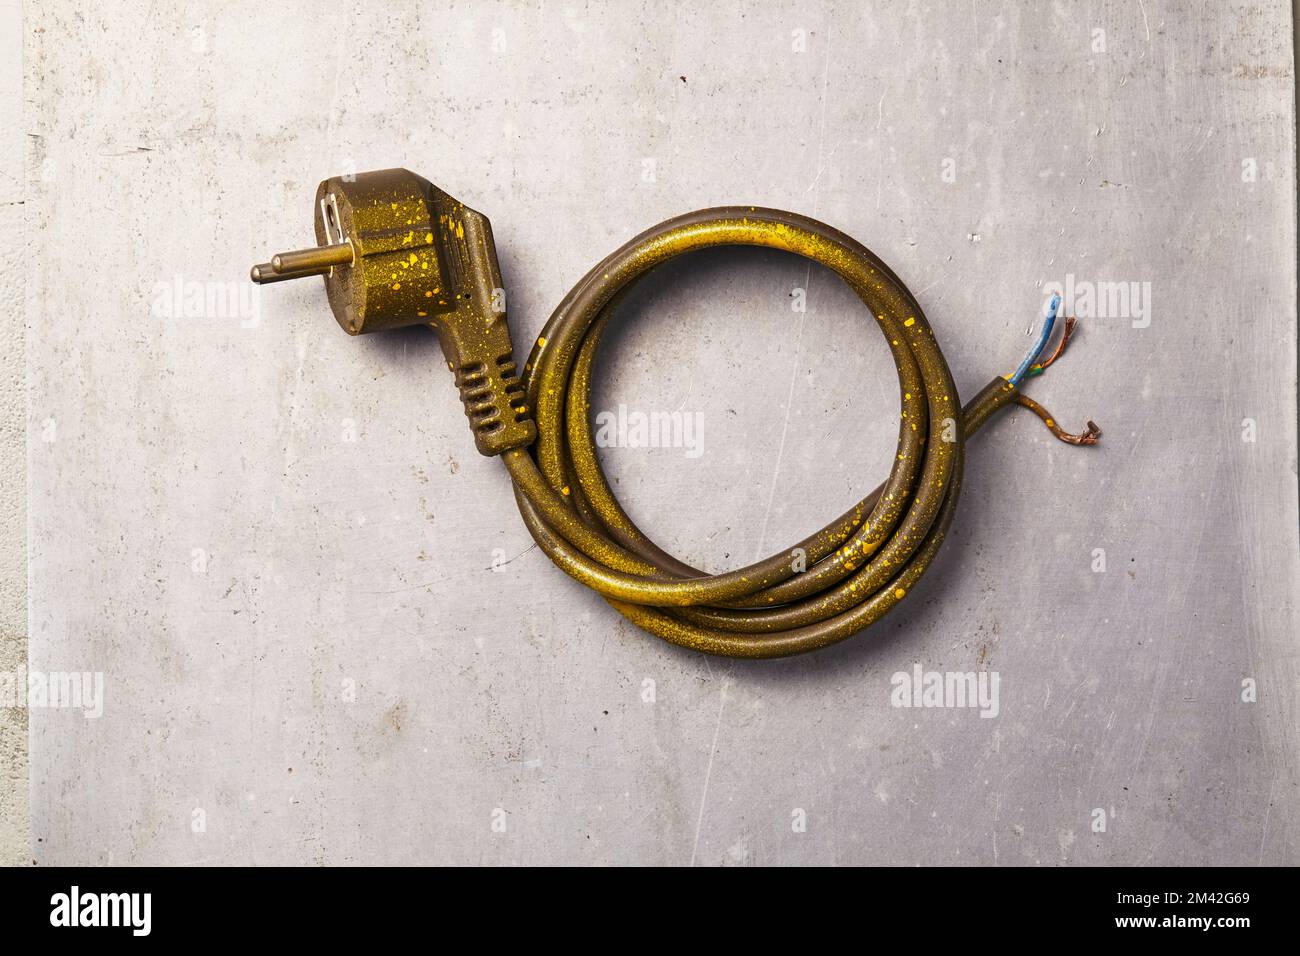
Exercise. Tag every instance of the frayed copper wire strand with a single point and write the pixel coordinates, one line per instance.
(1024, 401)
(1087, 438)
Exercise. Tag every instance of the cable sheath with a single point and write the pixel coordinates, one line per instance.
(832, 584)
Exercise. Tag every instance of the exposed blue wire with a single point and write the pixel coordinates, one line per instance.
(1043, 337)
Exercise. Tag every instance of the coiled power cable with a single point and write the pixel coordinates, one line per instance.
(395, 250)
(832, 584)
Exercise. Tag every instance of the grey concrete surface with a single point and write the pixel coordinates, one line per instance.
(13, 440)
(323, 634)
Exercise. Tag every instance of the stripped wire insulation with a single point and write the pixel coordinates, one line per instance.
(1032, 368)
(1044, 335)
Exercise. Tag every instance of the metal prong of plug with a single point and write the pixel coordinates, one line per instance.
(304, 262)
(264, 274)
(321, 257)
(320, 261)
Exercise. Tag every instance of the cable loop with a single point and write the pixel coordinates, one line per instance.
(857, 567)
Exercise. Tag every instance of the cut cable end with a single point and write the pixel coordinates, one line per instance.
(1087, 438)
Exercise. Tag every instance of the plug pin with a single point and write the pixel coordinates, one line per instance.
(321, 257)
(303, 262)
(264, 273)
